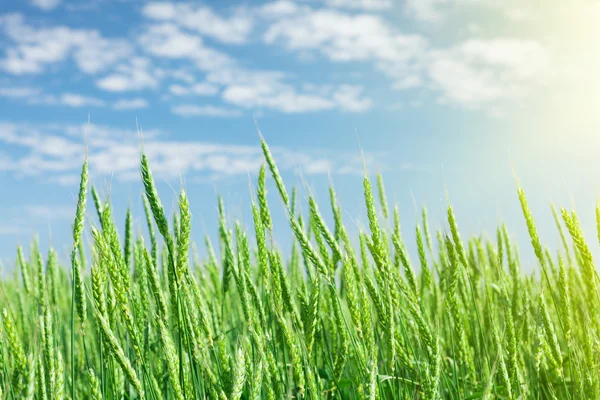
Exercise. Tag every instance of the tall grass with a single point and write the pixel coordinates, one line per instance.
(329, 320)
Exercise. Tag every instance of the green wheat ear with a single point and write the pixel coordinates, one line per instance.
(265, 214)
(382, 197)
(24, 266)
(301, 236)
(184, 237)
(77, 289)
(239, 375)
(77, 231)
(535, 240)
(153, 199)
(95, 392)
(127, 248)
(171, 360)
(275, 172)
(112, 344)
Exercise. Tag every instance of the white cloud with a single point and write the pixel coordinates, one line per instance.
(278, 8)
(46, 5)
(55, 153)
(481, 73)
(241, 76)
(425, 10)
(273, 94)
(47, 153)
(200, 89)
(263, 89)
(475, 74)
(239, 86)
(190, 110)
(137, 74)
(183, 75)
(169, 41)
(18, 92)
(130, 104)
(344, 37)
(203, 20)
(434, 11)
(349, 98)
(243, 87)
(370, 5)
(36, 49)
(76, 100)
(284, 99)
(99, 53)
(37, 96)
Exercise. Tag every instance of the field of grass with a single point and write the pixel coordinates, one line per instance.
(329, 320)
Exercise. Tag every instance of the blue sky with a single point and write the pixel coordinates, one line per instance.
(443, 96)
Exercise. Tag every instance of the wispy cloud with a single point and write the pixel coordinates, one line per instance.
(485, 74)
(34, 49)
(185, 49)
(345, 37)
(19, 92)
(167, 40)
(370, 5)
(199, 89)
(349, 98)
(439, 11)
(37, 96)
(136, 74)
(287, 99)
(77, 100)
(191, 110)
(46, 5)
(130, 104)
(233, 29)
(424, 10)
(478, 73)
(278, 9)
(238, 85)
(54, 153)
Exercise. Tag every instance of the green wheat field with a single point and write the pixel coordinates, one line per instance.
(339, 317)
